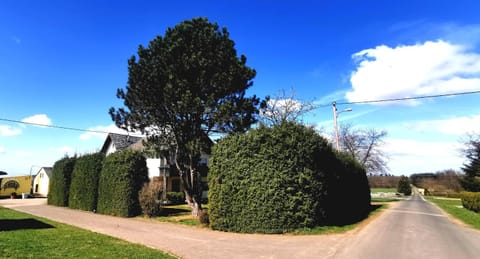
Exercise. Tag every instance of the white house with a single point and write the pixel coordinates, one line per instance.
(158, 168)
(41, 182)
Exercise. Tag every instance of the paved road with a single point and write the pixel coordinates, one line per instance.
(409, 229)
(413, 229)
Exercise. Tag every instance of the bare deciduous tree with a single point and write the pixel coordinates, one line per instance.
(284, 108)
(365, 145)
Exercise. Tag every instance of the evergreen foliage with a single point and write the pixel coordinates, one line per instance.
(404, 185)
(123, 175)
(84, 186)
(275, 180)
(191, 82)
(471, 181)
(348, 191)
(176, 197)
(59, 184)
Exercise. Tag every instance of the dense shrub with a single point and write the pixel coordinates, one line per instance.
(404, 186)
(59, 184)
(84, 187)
(123, 175)
(176, 197)
(274, 180)
(471, 201)
(348, 191)
(150, 198)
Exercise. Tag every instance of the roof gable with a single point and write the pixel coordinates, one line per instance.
(120, 141)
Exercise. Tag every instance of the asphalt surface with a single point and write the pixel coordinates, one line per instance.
(413, 229)
(408, 229)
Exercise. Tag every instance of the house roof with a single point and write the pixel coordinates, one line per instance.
(48, 171)
(120, 141)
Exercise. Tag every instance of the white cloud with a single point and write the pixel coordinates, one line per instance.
(39, 119)
(2, 150)
(454, 126)
(430, 68)
(411, 156)
(97, 132)
(8, 131)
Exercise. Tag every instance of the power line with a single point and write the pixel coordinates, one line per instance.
(318, 106)
(55, 126)
(407, 98)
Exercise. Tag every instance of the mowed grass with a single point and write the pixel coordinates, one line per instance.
(26, 236)
(454, 208)
(179, 214)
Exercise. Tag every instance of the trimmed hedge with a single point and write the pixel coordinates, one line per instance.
(59, 185)
(84, 186)
(348, 195)
(471, 201)
(123, 176)
(275, 180)
(176, 197)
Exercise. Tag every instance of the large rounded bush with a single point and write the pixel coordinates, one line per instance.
(274, 180)
(348, 194)
(269, 180)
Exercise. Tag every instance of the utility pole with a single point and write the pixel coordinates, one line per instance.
(335, 123)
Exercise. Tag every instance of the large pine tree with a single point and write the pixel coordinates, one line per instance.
(181, 88)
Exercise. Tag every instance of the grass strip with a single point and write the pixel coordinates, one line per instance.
(26, 236)
(454, 207)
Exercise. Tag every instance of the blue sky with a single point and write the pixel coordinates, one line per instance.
(62, 61)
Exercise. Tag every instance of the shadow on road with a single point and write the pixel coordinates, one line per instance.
(19, 224)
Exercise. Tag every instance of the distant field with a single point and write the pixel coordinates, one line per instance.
(384, 190)
(454, 208)
(26, 236)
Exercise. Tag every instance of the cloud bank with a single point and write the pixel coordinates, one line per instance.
(7, 131)
(430, 68)
(39, 119)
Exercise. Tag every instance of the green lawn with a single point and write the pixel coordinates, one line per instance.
(180, 214)
(454, 208)
(26, 236)
(384, 190)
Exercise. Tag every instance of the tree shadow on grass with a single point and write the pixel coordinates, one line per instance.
(174, 211)
(19, 224)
